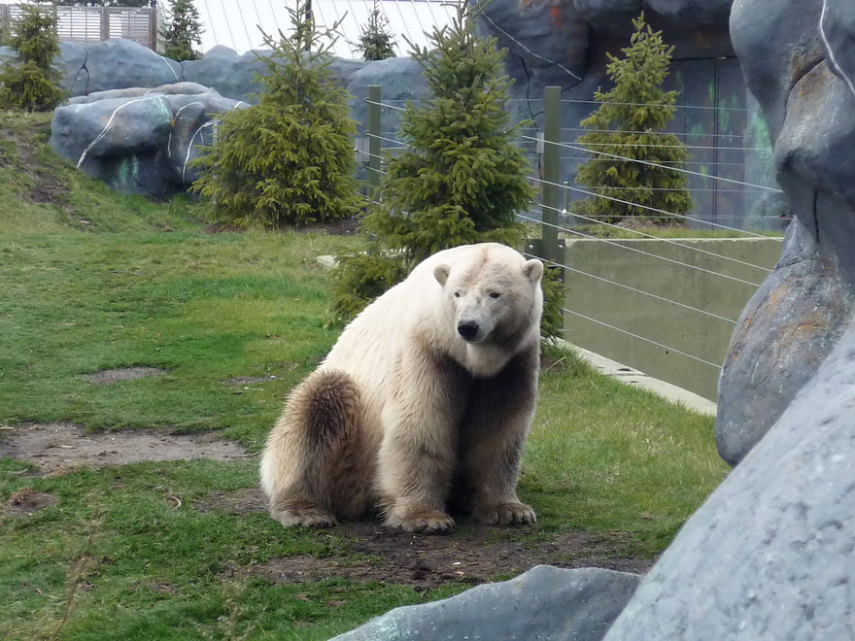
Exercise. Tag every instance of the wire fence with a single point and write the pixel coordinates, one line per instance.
(598, 292)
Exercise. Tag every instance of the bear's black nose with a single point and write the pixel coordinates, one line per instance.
(467, 329)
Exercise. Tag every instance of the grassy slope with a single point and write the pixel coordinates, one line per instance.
(92, 280)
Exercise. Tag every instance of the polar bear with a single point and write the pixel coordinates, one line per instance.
(423, 404)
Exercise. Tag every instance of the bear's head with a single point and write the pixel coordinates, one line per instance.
(493, 296)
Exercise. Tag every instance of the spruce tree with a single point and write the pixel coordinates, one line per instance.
(181, 30)
(30, 81)
(461, 179)
(629, 123)
(375, 41)
(287, 160)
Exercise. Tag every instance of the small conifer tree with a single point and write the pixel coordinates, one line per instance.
(30, 81)
(375, 41)
(181, 31)
(628, 124)
(461, 180)
(287, 160)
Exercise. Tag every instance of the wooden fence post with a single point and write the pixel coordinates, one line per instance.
(372, 131)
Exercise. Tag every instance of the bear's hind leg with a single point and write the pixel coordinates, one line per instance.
(313, 456)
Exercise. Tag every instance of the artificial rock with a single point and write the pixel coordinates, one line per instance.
(139, 141)
(546, 603)
(770, 554)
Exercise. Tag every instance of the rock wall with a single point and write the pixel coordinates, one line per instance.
(140, 141)
(770, 555)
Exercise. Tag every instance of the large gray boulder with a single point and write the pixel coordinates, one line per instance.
(545, 603)
(138, 140)
(120, 63)
(799, 313)
(771, 555)
(230, 74)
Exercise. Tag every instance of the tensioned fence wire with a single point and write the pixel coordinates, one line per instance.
(391, 143)
(400, 144)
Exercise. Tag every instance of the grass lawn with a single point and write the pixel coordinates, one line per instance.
(92, 281)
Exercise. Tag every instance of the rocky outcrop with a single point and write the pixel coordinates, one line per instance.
(139, 141)
(797, 70)
(770, 555)
(544, 603)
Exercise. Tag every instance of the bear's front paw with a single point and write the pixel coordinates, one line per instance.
(307, 517)
(506, 514)
(427, 521)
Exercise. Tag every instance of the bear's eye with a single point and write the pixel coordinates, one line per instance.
(457, 294)
(495, 294)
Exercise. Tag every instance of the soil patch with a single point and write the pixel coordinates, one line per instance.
(26, 502)
(58, 448)
(107, 376)
(365, 552)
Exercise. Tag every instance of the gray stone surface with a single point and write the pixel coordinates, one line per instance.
(544, 39)
(401, 80)
(545, 603)
(799, 313)
(771, 554)
(118, 64)
(228, 73)
(138, 140)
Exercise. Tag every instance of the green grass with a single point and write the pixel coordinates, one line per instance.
(133, 552)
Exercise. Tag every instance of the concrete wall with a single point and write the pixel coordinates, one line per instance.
(691, 345)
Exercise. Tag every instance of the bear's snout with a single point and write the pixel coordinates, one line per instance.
(467, 329)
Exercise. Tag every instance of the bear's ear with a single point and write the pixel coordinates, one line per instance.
(440, 272)
(533, 270)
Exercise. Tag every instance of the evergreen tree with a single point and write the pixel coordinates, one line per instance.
(289, 159)
(628, 124)
(181, 30)
(30, 81)
(375, 41)
(461, 180)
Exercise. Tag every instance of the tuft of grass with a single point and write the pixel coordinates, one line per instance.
(136, 551)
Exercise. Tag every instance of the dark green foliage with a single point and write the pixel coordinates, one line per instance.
(289, 159)
(552, 322)
(359, 279)
(461, 180)
(30, 81)
(375, 41)
(628, 124)
(181, 30)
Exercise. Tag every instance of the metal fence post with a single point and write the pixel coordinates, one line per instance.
(105, 23)
(551, 174)
(372, 131)
(153, 27)
(5, 22)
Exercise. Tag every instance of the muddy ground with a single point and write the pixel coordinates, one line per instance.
(369, 553)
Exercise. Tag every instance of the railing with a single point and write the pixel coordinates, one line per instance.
(94, 24)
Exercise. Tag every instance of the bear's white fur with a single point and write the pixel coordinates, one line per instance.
(424, 402)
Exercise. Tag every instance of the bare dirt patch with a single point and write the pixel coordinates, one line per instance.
(27, 501)
(107, 376)
(58, 448)
(365, 552)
